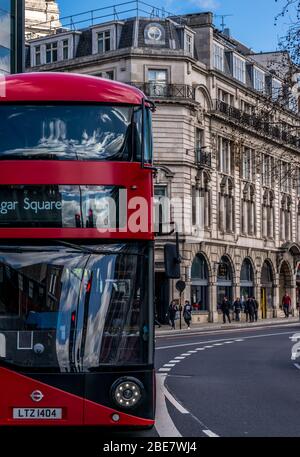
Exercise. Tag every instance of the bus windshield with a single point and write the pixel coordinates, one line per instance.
(70, 132)
(72, 310)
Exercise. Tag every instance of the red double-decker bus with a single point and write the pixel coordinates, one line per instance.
(76, 252)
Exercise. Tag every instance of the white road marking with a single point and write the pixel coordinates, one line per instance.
(169, 365)
(185, 355)
(297, 365)
(239, 340)
(174, 402)
(228, 342)
(179, 357)
(208, 347)
(232, 330)
(223, 339)
(200, 349)
(174, 361)
(210, 434)
(192, 352)
(164, 369)
(164, 425)
(218, 344)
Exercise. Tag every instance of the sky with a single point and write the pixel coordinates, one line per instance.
(252, 21)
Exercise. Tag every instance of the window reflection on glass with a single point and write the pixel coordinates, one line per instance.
(69, 132)
(85, 310)
(5, 38)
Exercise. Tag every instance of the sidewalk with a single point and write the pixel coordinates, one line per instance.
(198, 328)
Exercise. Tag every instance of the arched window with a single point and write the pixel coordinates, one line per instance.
(286, 218)
(267, 283)
(268, 214)
(224, 280)
(248, 210)
(199, 288)
(226, 205)
(247, 278)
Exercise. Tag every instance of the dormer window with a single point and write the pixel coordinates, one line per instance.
(104, 41)
(65, 49)
(37, 55)
(218, 57)
(258, 80)
(189, 44)
(276, 89)
(239, 69)
(51, 52)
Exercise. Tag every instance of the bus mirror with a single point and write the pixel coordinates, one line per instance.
(172, 261)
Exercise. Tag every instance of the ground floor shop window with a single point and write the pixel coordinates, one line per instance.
(199, 288)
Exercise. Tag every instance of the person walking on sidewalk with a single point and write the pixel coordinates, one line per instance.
(255, 304)
(246, 310)
(171, 314)
(225, 307)
(250, 306)
(286, 304)
(187, 313)
(237, 307)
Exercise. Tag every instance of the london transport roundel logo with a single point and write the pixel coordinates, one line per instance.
(154, 33)
(36, 395)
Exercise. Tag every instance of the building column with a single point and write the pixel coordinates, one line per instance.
(293, 296)
(213, 312)
(257, 294)
(276, 301)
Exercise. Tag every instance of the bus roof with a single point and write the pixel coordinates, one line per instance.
(66, 87)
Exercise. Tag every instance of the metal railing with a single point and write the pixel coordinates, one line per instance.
(119, 11)
(203, 158)
(259, 123)
(163, 90)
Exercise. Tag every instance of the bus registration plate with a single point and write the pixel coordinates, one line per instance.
(37, 413)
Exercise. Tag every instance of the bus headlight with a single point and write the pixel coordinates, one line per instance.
(127, 392)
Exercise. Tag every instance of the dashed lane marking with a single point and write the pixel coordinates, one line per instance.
(164, 369)
(297, 365)
(169, 365)
(223, 339)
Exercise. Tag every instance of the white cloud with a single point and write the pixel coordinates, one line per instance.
(206, 4)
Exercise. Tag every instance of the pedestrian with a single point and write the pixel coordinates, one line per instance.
(255, 304)
(250, 306)
(225, 307)
(187, 314)
(171, 314)
(246, 311)
(286, 304)
(237, 308)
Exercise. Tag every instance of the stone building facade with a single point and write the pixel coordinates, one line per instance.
(41, 17)
(225, 142)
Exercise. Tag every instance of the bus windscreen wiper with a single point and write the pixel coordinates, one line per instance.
(20, 250)
(85, 249)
